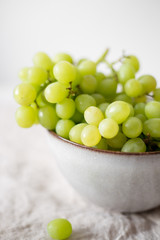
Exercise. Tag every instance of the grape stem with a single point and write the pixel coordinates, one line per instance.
(110, 65)
(102, 57)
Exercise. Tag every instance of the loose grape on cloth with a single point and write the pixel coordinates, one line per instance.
(33, 192)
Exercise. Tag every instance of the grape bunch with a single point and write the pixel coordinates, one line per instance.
(115, 111)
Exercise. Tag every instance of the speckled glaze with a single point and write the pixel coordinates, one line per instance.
(113, 180)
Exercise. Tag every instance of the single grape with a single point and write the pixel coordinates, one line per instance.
(118, 110)
(134, 145)
(102, 144)
(41, 59)
(63, 127)
(133, 61)
(55, 92)
(88, 84)
(125, 73)
(133, 88)
(103, 107)
(123, 97)
(40, 100)
(48, 117)
(93, 115)
(37, 75)
(77, 80)
(148, 82)
(75, 133)
(152, 109)
(90, 136)
(62, 57)
(139, 108)
(24, 94)
(108, 128)
(25, 116)
(64, 72)
(132, 127)
(83, 101)
(59, 229)
(107, 87)
(118, 141)
(23, 74)
(152, 127)
(141, 117)
(156, 94)
(66, 108)
(98, 97)
(77, 117)
(99, 76)
(87, 67)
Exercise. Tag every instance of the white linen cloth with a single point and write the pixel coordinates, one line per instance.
(33, 192)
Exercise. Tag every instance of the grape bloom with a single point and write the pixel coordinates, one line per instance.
(115, 111)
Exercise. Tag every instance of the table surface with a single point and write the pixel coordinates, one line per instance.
(33, 192)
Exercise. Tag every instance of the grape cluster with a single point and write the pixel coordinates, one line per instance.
(86, 106)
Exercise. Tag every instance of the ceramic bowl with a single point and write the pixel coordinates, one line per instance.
(125, 182)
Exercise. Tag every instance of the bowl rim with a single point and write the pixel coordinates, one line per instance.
(101, 150)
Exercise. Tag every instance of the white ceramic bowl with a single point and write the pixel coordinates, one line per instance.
(125, 182)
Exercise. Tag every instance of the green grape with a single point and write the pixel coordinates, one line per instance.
(156, 94)
(25, 116)
(123, 97)
(93, 115)
(64, 72)
(34, 106)
(77, 117)
(88, 84)
(141, 117)
(118, 110)
(90, 136)
(87, 67)
(118, 141)
(103, 107)
(133, 88)
(23, 74)
(102, 144)
(66, 108)
(139, 108)
(134, 145)
(48, 117)
(63, 127)
(41, 59)
(24, 94)
(83, 101)
(37, 75)
(98, 97)
(107, 87)
(62, 57)
(108, 128)
(132, 127)
(125, 73)
(40, 100)
(152, 127)
(133, 61)
(99, 76)
(59, 229)
(55, 92)
(75, 133)
(152, 109)
(148, 82)
(77, 80)
(131, 110)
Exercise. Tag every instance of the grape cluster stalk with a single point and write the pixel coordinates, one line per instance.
(84, 105)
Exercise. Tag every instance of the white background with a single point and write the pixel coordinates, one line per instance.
(83, 28)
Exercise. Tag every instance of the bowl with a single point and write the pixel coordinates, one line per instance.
(125, 182)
